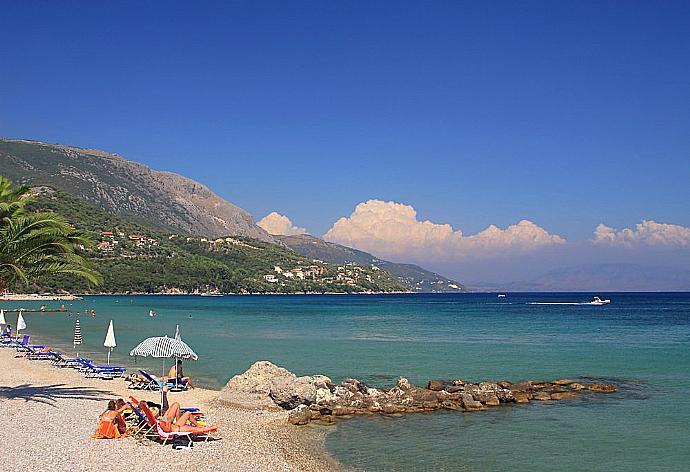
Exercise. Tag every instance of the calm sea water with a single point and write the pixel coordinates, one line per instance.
(640, 341)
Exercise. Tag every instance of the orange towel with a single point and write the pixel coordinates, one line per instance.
(108, 430)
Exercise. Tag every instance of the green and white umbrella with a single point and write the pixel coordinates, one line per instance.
(165, 348)
(77, 336)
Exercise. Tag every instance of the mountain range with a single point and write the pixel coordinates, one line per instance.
(163, 200)
(166, 203)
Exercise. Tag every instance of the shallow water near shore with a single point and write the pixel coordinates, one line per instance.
(640, 341)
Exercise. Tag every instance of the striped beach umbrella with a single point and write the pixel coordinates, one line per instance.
(77, 335)
(164, 347)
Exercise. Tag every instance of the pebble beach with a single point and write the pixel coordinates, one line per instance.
(47, 416)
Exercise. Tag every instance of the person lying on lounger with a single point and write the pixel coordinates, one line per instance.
(173, 420)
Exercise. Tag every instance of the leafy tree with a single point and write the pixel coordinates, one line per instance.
(35, 245)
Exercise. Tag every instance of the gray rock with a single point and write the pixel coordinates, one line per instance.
(505, 396)
(487, 398)
(437, 385)
(300, 415)
(469, 403)
(251, 388)
(257, 379)
(290, 392)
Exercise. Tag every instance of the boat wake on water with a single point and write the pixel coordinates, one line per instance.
(560, 303)
(596, 301)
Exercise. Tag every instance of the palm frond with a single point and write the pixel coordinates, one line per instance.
(34, 245)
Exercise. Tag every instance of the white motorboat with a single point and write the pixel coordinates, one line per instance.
(501, 295)
(599, 301)
(152, 313)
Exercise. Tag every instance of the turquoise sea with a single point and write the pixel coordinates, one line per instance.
(640, 341)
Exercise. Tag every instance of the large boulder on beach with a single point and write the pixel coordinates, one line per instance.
(251, 389)
(289, 392)
(265, 385)
(258, 378)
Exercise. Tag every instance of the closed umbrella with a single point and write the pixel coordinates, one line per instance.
(21, 324)
(179, 338)
(77, 335)
(2, 319)
(110, 340)
(165, 348)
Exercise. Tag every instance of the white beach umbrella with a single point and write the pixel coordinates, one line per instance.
(21, 324)
(77, 335)
(110, 340)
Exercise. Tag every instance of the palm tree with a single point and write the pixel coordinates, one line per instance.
(33, 245)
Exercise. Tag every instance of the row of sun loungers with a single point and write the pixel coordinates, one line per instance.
(87, 367)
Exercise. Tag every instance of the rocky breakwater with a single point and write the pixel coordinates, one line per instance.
(317, 398)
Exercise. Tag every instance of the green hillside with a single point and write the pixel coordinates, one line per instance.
(135, 258)
(410, 275)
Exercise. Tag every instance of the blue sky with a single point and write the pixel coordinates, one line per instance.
(568, 114)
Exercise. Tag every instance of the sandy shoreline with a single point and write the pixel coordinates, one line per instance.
(47, 416)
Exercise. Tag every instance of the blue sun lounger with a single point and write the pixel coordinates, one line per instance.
(152, 383)
(36, 353)
(102, 371)
(61, 361)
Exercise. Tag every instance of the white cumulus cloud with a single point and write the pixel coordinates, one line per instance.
(649, 233)
(275, 223)
(390, 229)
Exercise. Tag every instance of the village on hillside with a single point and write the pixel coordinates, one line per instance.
(280, 272)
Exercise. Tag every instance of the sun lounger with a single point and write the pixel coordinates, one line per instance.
(143, 427)
(167, 436)
(59, 360)
(138, 424)
(158, 384)
(19, 345)
(38, 354)
(102, 371)
(153, 383)
(135, 383)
